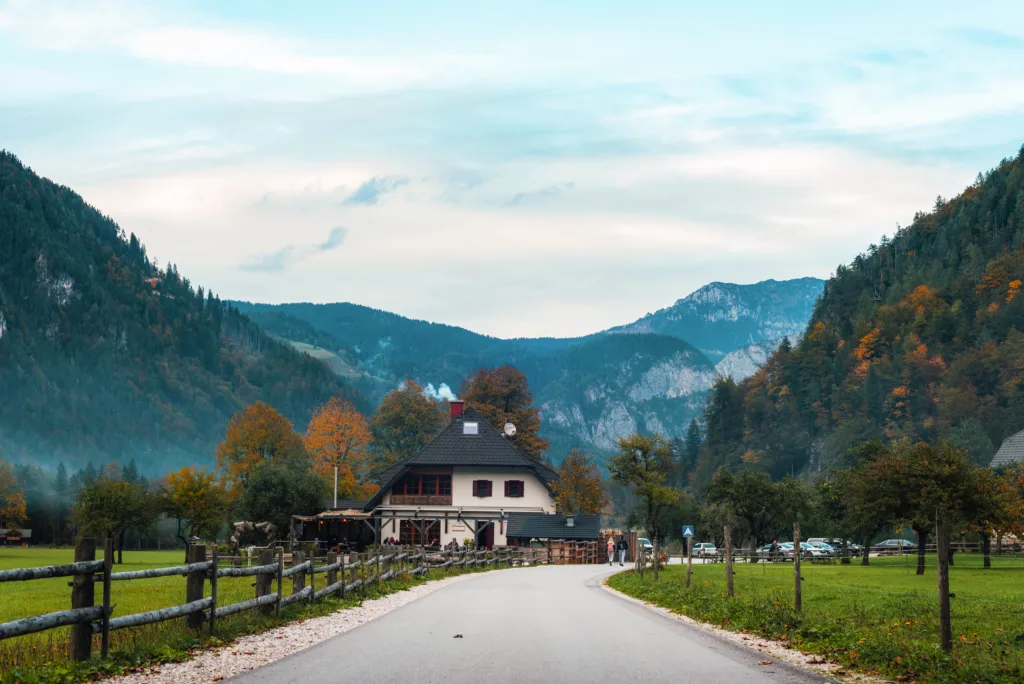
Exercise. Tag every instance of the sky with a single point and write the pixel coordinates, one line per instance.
(517, 168)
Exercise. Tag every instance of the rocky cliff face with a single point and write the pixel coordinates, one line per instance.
(722, 317)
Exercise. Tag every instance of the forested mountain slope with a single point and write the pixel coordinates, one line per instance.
(921, 337)
(104, 356)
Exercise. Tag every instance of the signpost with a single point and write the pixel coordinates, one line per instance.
(688, 538)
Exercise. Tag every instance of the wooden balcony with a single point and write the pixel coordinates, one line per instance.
(421, 500)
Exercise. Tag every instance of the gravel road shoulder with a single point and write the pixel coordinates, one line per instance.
(256, 650)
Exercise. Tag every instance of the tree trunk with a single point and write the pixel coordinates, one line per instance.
(865, 560)
(986, 545)
(922, 539)
(120, 547)
(846, 553)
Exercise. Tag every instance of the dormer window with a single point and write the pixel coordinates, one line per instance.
(470, 428)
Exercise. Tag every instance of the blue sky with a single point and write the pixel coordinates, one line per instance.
(519, 168)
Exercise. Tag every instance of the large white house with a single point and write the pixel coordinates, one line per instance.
(467, 483)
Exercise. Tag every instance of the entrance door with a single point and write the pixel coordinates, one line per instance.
(485, 537)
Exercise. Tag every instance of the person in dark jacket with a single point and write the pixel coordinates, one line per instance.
(622, 547)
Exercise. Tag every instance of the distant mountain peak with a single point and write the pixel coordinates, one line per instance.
(720, 317)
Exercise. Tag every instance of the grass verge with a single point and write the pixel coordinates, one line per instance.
(881, 619)
(42, 658)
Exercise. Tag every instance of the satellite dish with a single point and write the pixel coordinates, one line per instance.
(510, 429)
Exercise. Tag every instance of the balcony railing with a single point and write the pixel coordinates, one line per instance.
(421, 499)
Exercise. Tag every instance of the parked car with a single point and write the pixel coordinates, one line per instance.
(645, 544)
(837, 544)
(704, 550)
(895, 546)
(811, 551)
(827, 548)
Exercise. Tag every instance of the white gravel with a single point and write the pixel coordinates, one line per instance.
(257, 650)
(781, 651)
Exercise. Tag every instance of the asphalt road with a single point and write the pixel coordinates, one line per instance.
(546, 624)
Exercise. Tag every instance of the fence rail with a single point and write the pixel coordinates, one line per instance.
(86, 618)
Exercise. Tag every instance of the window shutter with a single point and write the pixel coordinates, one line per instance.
(507, 482)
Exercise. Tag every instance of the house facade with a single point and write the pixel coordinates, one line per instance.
(465, 484)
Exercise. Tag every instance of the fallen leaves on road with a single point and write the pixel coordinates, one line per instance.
(766, 662)
(457, 636)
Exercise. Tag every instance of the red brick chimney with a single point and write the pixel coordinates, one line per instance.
(455, 406)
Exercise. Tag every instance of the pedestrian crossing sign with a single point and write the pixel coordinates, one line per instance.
(687, 531)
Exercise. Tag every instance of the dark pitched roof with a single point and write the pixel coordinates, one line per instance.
(455, 448)
(545, 526)
(346, 505)
(1012, 451)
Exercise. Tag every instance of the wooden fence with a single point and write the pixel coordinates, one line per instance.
(342, 574)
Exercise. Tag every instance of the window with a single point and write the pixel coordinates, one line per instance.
(410, 534)
(481, 488)
(424, 485)
(470, 428)
(514, 488)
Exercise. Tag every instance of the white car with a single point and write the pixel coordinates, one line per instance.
(704, 550)
(645, 544)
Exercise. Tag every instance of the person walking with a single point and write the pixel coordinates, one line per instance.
(611, 550)
(773, 551)
(622, 547)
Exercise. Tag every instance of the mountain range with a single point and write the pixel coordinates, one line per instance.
(652, 374)
(105, 356)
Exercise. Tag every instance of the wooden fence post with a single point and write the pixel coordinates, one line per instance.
(942, 551)
(728, 560)
(82, 596)
(299, 578)
(213, 588)
(108, 562)
(194, 583)
(332, 575)
(341, 572)
(279, 552)
(266, 557)
(797, 552)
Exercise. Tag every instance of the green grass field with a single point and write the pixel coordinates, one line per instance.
(43, 656)
(882, 618)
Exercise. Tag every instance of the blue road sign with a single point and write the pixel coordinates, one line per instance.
(687, 531)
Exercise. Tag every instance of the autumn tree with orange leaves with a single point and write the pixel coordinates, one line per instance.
(503, 395)
(196, 500)
(12, 498)
(578, 489)
(255, 436)
(338, 439)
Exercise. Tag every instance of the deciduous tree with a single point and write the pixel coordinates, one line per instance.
(766, 509)
(405, 421)
(109, 507)
(12, 498)
(338, 439)
(503, 395)
(257, 435)
(645, 463)
(196, 500)
(578, 489)
(275, 492)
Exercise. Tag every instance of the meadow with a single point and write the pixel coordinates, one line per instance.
(880, 619)
(42, 657)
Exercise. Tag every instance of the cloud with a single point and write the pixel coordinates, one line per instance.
(289, 255)
(990, 38)
(271, 263)
(334, 240)
(539, 196)
(371, 191)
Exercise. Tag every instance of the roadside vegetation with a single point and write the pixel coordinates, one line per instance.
(879, 619)
(43, 657)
